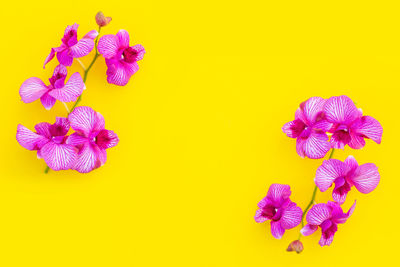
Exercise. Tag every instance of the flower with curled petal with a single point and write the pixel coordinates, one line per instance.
(309, 128)
(121, 59)
(70, 47)
(90, 138)
(349, 126)
(327, 217)
(279, 209)
(346, 174)
(49, 141)
(34, 88)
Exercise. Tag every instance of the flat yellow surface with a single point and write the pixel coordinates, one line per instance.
(200, 130)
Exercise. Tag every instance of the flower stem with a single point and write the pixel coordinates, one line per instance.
(312, 199)
(85, 74)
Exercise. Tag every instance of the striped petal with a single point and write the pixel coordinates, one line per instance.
(366, 178)
(106, 139)
(82, 48)
(318, 214)
(312, 108)
(277, 230)
(123, 38)
(32, 89)
(368, 127)
(316, 145)
(278, 192)
(47, 101)
(85, 120)
(108, 46)
(140, 51)
(341, 110)
(59, 156)
(30, 140)
(90, 157)
(291, 216)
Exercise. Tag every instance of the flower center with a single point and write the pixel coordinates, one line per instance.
(129, 55)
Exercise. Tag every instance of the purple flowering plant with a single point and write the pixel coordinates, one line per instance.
(85, 149)
(323, 125)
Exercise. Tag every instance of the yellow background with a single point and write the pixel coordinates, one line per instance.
(200, 133)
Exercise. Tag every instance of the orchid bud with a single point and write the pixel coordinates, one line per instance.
(295, 246)
(102, 20)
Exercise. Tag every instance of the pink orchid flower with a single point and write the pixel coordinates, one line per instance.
(309, 127)
(346, 174)
(121, 59)
(327, 217)
(350, 127)
(277, 207)
(34, 88)
(49, 142)
(72, 48)
(90, 138)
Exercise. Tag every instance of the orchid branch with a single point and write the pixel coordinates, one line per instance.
(312, 199)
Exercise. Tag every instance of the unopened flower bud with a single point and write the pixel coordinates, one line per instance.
(102, 20)
(295, 246)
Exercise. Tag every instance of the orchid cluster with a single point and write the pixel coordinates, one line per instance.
(85, 149)
(323, 125)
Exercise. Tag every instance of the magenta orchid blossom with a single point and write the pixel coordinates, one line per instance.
(319, 126)
(90, 138)
(121, 58)
(49, 141)
(34, 88)
(309, 128)
(345, 175)
(327, 217)
(85, 149)
(70, 47)
(279, 209)
(349, 126)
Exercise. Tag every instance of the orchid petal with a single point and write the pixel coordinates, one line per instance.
(312, 108)
(318, 214)
(58, 156)
(89, 158)
(108, 46)
(277, 230)
(369, 127)
(366, 178)
(291, 216)
(85, 120)
(309, 229)
(123, 38)
(91, 35)
(259, 218)
(316, 145)
(278, 192)
(49, 57)
(64, 58)
(47, 101)
(294, 128)
(341, 110)
(30, 140)
(140, 51)
(32, 89)
(82, 48)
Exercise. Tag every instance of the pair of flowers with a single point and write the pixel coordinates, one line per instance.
(314, 118)
(337, 116)
(84, 150)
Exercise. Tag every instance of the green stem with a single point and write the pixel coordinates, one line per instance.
(312, 199)
(85, 74)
